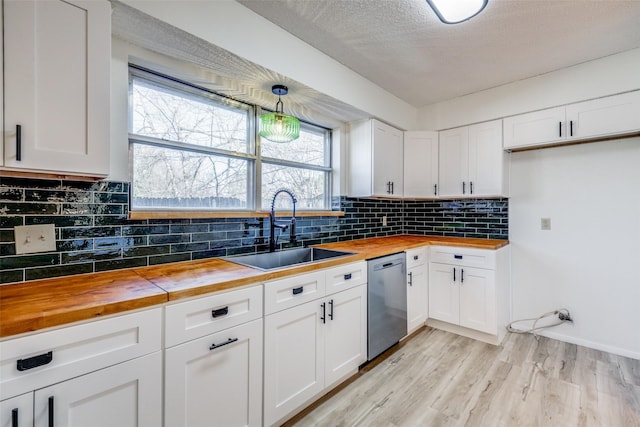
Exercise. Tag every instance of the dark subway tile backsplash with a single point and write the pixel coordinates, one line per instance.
(94, 233)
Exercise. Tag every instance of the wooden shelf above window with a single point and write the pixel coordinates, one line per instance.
(139, 214)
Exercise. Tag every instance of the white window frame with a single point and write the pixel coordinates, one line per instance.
(253, 156)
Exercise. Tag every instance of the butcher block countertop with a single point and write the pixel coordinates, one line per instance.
(35, 305)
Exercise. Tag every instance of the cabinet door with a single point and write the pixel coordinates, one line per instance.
(417, 297)
(219, 386)
(420, 164)
(387, 160)
(612, 115)
(454, 162)
(293, 359)
(345, 333)
(56, 71)
(17, 411)
(478, 299)
(536, 128)
(486, 159)
(444, 293)
(124, 395)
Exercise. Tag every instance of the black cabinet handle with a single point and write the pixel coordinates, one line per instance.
(391, 187)
(410, 278)
(471, 187)
(35, 361)
(560, 129)
(347, 276)
(14, 417)
(454, 274)
(457, 256)
(461, 275)
(19, 143)
(435, 189)
(324, 313)
(331, 311)
(388, 187)
(297, 291)
(570, 127)
(50, 411)
(415, 257)
(227, 342)
(220, 312)
(464, 187)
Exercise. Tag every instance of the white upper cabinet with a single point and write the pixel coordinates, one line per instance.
(609, 116)
(375, 160)
(56, 86)
(420, 164)
(472, 162)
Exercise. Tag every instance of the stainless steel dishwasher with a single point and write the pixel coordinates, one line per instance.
(386, 303)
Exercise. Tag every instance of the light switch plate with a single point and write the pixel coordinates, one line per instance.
(35, 238)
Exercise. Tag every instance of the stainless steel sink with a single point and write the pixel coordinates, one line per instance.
(281, 259)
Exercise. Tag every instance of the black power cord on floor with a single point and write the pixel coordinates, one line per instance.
(562, 314)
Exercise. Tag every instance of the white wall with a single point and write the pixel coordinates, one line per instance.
(589, 261)
(594, 79)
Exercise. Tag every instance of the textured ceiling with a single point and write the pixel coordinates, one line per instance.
(401, 46)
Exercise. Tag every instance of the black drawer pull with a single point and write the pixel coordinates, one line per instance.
(18, 143)
(415, 257)
(457, 256)
(297, 291)
(220, 311)
(227, 342)
(347, 276)
(51, 418)
(35, 361)
(14, 417)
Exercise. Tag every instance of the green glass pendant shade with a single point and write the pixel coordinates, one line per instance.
(278, 127)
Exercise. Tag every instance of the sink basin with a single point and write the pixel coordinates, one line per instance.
(281, 259)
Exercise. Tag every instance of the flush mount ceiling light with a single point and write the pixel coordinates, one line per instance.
(456, 11)
(278, 127)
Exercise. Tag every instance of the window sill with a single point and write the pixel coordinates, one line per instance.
(153, 214)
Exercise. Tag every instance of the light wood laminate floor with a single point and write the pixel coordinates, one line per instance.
(441, 379)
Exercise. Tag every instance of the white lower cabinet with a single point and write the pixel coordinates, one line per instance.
(213, 363)
(463, 296)
(417, 288)
(469, 288)
(216, 380)
(124, 395)
(17, 411)
(102, 373)
(312, 346)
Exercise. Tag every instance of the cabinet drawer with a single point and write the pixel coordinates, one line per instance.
(196, 318)
(291, 291)
(346, 277)
(416, 257)
(49, 357)
(481, 258)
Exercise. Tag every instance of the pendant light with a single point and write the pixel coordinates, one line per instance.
(278, 127)
(456, 11)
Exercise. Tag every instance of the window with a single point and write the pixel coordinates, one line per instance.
(192, 149)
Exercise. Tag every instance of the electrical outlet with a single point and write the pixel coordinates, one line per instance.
(384, 221)
(545, 223)
(35, 238)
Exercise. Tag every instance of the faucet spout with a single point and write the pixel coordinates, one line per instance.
(272, 220)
